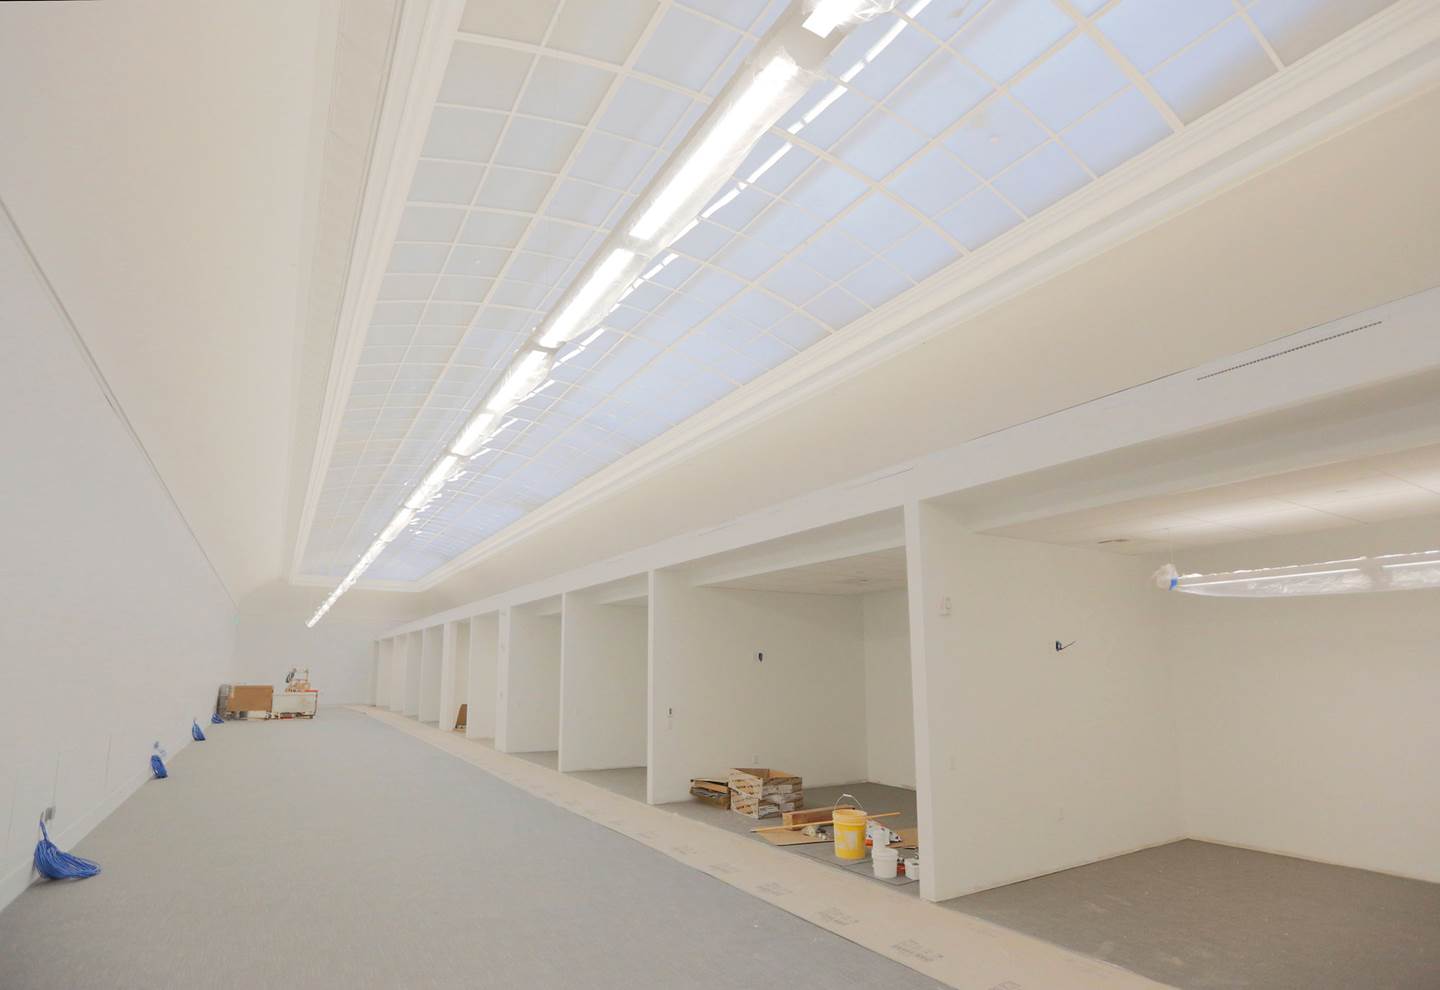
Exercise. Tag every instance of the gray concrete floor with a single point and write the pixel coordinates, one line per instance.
(337, 852)
(626, 781)
(549, 759)
(1201, 916)
(872, 797)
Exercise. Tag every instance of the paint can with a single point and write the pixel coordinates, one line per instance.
(883, 861)
(849, 833)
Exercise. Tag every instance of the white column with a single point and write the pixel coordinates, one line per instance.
(482, 687)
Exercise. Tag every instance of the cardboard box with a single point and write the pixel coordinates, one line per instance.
(760, 792)
(250, 698)
(711, 791)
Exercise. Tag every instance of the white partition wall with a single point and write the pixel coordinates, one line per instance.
(454, 671)
(604, 668)
(529, 685)
(399, 671)
(1031, 760)
(717, 703)
(481, 681)
(383, 675)
(430, 662)
(414, 643)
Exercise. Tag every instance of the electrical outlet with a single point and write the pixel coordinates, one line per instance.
(945, 605)
(50, 813)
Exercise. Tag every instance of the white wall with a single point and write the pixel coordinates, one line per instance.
(454, 671)
(1311, 726)
(115, 632)
(802, 709)
(414, 654)
(889, 702)
(384, 678)
(430, 667)
(339, 653)
(482, 687)
(1031, 760)
(604, 663)
(530, 682)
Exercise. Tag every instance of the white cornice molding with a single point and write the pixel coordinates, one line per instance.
(422, 50)
(1377, 65)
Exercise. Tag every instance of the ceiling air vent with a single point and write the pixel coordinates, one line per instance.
(1289, 350)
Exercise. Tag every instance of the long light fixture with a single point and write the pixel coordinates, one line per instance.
(778, 73)
(1388, 572)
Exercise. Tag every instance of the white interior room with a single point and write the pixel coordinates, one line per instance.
(527, 714)
(605, 685)
(1022, 416)
(792, 655)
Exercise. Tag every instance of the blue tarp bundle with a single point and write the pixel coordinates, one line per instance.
(57, 865)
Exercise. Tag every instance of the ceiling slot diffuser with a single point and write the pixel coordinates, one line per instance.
(1289, 350)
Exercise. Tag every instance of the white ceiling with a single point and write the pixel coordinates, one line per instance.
(964, 121)
(1368, 490)
(862, 574)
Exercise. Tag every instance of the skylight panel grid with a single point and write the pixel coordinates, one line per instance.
(941, 126)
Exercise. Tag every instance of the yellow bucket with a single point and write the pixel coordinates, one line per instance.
(849, 833)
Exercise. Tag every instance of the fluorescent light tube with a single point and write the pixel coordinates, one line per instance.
(476, 432)
(830, 14)
(397, 525)
(731, 133)
(433, 482)
(582, 312)
(523, 376)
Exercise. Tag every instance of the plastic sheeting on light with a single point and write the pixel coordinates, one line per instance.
(1387, 572)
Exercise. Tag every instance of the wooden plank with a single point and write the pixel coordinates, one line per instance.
(780, 828)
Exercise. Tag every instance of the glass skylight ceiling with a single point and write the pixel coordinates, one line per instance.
(941, 127)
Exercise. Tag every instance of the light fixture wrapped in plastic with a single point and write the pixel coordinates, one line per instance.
(766, 86)
(529, 371)
(1391, 572)
(432, 483)
(824, 16)
(476, 432)
(397, 525)
(597, 294)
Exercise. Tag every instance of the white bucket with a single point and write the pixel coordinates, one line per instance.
(912, 867)
(883, 861)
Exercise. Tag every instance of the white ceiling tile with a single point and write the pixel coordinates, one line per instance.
(462, 133)
(1221, 66)
(1069, 83)
(834, 254)
(876, 283)
(483, 261)
(834, 307)
(484, 76)
(879, 144)
(1041, 178)
(517, 21)
(978, 219)
(799, 331)
(748, 258)
(934, 182)
(1147, 32)
(837, 117)
(603, 29)
(406, 286)
(430, 223)
(449, 314)
(686, 49)
(1005, 37)
(889, 67)
(738, 13)
(492, 229)
(419, 258)
(995, 135)
(922, 254)
(541, 145)
(1117, 131)
(942, 92)
(795, 282)
(513, 189)
(611, 161)
(582, 202)
(1297, 27)
(460, 288)
(564, 90)
(445, 182)
(644, 112)
(879, 221)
